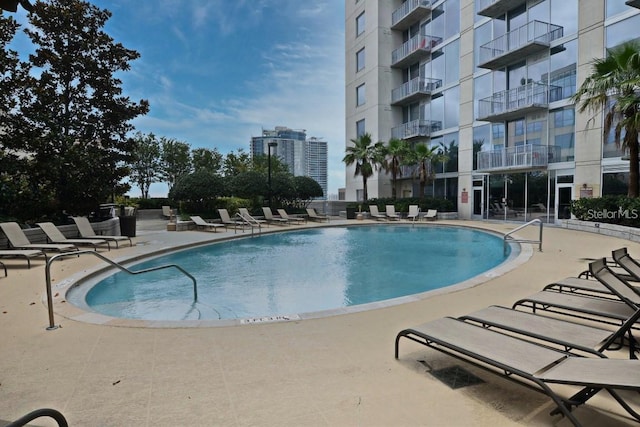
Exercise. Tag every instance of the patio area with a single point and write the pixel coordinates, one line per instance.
(331, 371)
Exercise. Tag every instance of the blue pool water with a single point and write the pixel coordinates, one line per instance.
(297, 272)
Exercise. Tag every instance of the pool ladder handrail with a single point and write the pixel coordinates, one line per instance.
(39, 413)
(251, 222)
(52, 324)
(507, 237)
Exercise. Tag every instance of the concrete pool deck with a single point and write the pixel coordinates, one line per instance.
(331, 371)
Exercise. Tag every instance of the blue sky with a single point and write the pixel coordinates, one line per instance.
(216, 72)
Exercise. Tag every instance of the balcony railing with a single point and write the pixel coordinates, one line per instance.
(414, 49)
(411, 11)
(519, 157)
(414, 89)
(532, 37)
(415, 129)
(515, 102)
(495, 8)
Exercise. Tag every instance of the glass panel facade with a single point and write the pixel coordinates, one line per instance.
(622, 31)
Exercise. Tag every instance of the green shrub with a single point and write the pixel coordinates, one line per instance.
(620, 210)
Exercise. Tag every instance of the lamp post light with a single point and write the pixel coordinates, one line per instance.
(269, 146)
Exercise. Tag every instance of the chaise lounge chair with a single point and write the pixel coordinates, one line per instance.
(201, 223)
(414, 212)
(268, 216)
(284, 215)
(375, 213)
(390, 211)
(431, 215)
(533, 365)
(166, 212)
(55, 236)
(314, 216)
(25, 254)
(87, 232)
(18, 240)
(248, 219)
(227, 221)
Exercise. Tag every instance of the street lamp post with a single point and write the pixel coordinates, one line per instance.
(269, 146)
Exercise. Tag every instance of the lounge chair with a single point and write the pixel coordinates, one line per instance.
(431, 215)
(531, 364)
(25, 254)
(87, 232)
(314, 216)
(268, 216)
(283, 214)
(55, 236)
(201, 223)
(375, 214)
(390, 211)
(18, 240)
(227, 221)
(166, 212)
(622, 258)
(414, 212)
(250, 220)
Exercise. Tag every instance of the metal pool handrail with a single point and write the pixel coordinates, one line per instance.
(251, 222)
(508, 235)
(53, 326)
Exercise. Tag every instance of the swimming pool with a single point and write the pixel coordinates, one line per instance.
(285, 274)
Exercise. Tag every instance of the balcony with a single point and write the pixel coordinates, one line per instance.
(415, 129)
(496, 8)
(633, 3)
(515, 45)
(414, 90)
(516, 102)
(521, 157)
(410, 12)
(413, 50)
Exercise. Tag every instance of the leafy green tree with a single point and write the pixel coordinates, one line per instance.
(260, 163)
(235, 164)
(424, 156)
(146, 166)
(75, 119)
(204, 158)
(612, 88)
(250, 185)
(200, 189)
(283, 190)
(306, 189)
(395, 154)
(366, 157)
(176, 160)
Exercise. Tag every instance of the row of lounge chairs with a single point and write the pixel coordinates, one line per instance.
(392, 215)
(22, 248)
(563, 337)
(244, 218)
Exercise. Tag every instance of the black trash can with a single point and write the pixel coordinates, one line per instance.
(128, 225)
(351, 213)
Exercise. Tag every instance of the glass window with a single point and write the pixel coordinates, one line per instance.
(480, 142)
(481, 90)
(451, 107)
(615, 184)
(449, 147)
(360, 130)
(452, 62)
(614, 7)
(360, 95)
(360, 60)
(452, 18)
(436, 110)
(563, 71)
(622, 31)
(565, 14)
(481, 35)
(497, 135)
(437, 22)
(360, 24)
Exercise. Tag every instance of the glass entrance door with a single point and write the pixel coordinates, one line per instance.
(564, 195)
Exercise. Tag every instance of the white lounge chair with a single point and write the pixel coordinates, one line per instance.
(225, 218)
(414, 212)
(87, 232)
(390, 211)
(18, 240)
(268, 216)
(166, 212)
(283, 214)
(25, 254)
(431, 215)
(55, 236)
(314, 216)
(201, 223)
(375, 214)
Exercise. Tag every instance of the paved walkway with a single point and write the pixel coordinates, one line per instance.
(333, 371)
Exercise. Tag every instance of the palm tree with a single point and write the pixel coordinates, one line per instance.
(366, 158)
(397, 150)
(611, 87)
(424, 156)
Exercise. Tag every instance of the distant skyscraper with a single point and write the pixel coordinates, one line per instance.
(304, 157)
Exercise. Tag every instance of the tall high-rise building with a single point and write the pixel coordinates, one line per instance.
(487, 84)
(304, 157)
